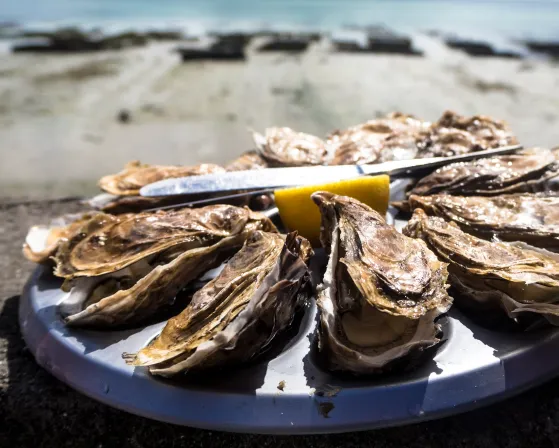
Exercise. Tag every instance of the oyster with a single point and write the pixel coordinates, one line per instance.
(401, 137)
(286, 147)
(249, 160)
(121, 269)
(454, 134)
(365, 143)
(531, 171)
(510, 217)
(136, 175)
(381, 291)
(123, 189)
(237, 314)
(512, 277)
(116, 205)
(42, 242)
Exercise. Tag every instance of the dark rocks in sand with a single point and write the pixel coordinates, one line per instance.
(225, 47)
(479, 49)
(377, 39)
(73, 40)
(550, 48)
(238, 40)
(295, 43)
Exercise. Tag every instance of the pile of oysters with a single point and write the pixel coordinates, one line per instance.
(481, 234)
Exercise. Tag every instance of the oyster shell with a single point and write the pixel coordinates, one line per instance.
(42, 241)
(249, 160)
(121, 269)
(286, 147)
(122, 190)
(108, 243)
(535, 170)
(381, 291)
(236, 315)
(454, 134)
(401, 137)
(116, 205)
(513, 277)
(365, 143)
(512, 217)
(136, 175)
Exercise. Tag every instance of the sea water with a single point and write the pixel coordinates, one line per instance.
(472, 18)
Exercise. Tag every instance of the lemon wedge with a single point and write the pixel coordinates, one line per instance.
(299, 212)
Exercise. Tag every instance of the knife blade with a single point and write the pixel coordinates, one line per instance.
(273, 178)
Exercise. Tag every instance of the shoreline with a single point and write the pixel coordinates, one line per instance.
(59, 113)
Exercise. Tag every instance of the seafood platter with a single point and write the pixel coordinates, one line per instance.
(406, 299)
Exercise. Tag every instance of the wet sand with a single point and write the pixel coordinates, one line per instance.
(58, 113)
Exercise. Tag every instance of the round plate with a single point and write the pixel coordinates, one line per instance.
(473, 366)
(287, 392)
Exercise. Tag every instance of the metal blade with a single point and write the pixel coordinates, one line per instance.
(268, 178)
(271, 178)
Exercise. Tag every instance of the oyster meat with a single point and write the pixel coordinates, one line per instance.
(286, 147)
(535, 170)
(365, 143)
(510, 217)
(236, 315)
(381, 291)
(121, 269)
(249, 160)
(511, 277)
(42, 241)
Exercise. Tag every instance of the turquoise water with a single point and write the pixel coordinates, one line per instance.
(521, 18)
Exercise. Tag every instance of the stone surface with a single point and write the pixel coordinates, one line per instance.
(37, 410)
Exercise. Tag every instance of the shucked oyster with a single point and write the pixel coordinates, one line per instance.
(286, 147)
(381, 291)
(136, 175)
(510, 217)
(236, 315)
(514, 277)
(42, 242)
(365, 143)
(120, 269)
(527, 172)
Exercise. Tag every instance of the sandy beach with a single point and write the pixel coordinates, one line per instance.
(59, 130)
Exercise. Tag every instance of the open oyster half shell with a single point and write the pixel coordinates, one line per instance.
(236, 315)
(381, 291)
(533, 170)
(42, 241)
(286, 147)
(122, 269)
(490, 275)
(530, 218)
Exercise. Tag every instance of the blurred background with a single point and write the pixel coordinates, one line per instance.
(88, 85)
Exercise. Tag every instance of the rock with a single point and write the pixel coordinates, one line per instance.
(289, 42)
(550, 48)
(225, 47)
(479, 49)
(124, 116)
